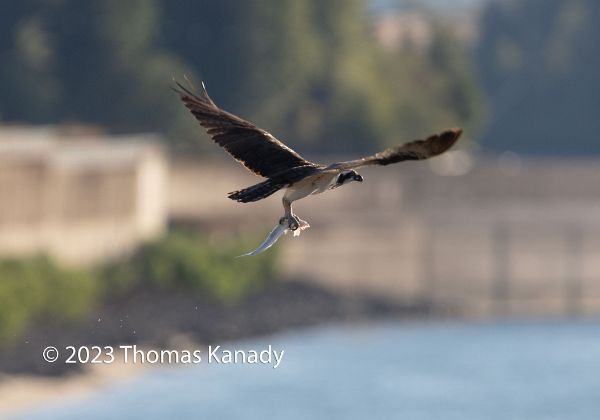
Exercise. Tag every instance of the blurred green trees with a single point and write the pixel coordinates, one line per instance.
(36, 288)
(540, 63)
(311, 71)
(94, 62)
(184, 261)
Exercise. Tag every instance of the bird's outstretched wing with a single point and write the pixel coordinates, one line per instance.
(255, 148)
(414, 150)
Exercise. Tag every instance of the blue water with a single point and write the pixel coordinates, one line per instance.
(384, 371)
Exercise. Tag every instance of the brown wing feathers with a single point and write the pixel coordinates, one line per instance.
(418, 149)
(255, 148)
(264, 155)
(414, 150)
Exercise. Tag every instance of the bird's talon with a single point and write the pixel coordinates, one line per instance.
(293, 222)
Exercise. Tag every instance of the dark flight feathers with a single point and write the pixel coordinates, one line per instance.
(264, 155)
(255, 148)
(414, 150)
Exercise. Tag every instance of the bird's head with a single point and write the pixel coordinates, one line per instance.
(349, 176)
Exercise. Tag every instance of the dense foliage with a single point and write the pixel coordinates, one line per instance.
(309, 71)
(540, 61)
(36, 288)
(186, 261)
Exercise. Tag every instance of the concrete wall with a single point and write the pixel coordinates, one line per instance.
(478, 236)
(79, 198)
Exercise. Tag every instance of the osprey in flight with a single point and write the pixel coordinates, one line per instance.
(283, 168)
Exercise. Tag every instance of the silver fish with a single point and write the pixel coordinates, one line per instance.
(276, 233)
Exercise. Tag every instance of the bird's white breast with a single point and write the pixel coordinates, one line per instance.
(310, 185)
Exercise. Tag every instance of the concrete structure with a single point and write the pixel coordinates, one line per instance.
(80, 198)
(477, 236)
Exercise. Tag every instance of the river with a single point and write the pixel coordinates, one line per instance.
(420, 370)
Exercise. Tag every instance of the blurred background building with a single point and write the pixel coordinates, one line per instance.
(81, 198)
(477, 236)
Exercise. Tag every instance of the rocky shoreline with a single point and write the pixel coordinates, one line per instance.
(155, 318)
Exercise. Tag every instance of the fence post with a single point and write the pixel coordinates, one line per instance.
(573, 278)
(500, 290)
(428, 280)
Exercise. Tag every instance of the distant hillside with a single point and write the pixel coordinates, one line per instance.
(540, 66)
(445, 6)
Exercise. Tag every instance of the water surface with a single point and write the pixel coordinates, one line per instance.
(384, 371)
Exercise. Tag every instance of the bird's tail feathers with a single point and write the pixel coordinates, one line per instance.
(255, 192)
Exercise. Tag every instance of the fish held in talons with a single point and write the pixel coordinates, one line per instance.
(280, 229)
